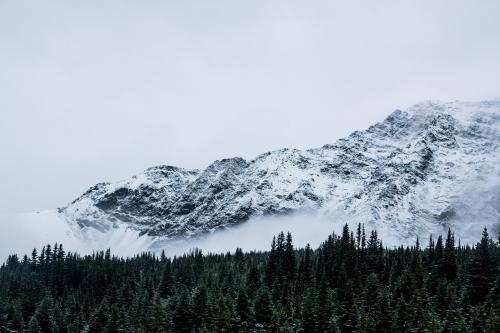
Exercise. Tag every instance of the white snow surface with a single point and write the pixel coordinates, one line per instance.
(433, 166)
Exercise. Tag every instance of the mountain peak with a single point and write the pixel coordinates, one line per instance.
(410, 174)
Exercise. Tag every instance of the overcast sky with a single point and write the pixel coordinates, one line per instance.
(99, 90)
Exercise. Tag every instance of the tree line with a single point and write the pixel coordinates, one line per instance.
(350, 283)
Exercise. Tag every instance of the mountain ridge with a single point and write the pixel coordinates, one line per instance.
(406, 174)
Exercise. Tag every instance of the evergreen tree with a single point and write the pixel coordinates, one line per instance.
(493, 323)
(482, 271)
(167, 286)
(400, 321)
(324, 309)
(263, 308)
(182, 319)
(347, 284)
(449, 264)
(113, 322)
(308, 316)
(200, 308)
(34, 326)
(347, 310)
(243, 309)
(384, 312)
(44, 315)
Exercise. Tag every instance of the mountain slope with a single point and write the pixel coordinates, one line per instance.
(421, 170)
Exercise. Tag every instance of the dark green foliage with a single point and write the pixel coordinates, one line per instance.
(483, 270)
(449, 264)
(351, 283)
(183, 318)
(243, 309)
(263, 308)
(167, 285)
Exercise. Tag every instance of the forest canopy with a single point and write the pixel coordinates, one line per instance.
(351, 283)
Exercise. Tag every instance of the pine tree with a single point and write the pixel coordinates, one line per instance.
(16, 320)
(449, 264)
(478, 320)
(482, 271)
(384, 312)
(224, 317)
(401, 317)
(44, 314)
(157, 321)
(454, 322)
(167, 286)
(347, 310)
(243, 309)
(100, 316)
(308, 315)
(182, 319)
(200, 308)
(493, 323)
(371, 292)
(263, 309)
(323, 308)
(289, 258)
(366, 323)
(113, 322)
(34, 326)
(421, 316)
(272, 264)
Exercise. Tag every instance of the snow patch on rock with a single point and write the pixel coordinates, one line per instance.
(419, 171)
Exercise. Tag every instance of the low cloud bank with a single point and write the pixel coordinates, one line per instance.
(21, 233)
(256, 234)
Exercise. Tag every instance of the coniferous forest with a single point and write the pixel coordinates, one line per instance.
(351, 283)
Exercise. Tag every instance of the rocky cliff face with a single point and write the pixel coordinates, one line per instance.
(421, 170)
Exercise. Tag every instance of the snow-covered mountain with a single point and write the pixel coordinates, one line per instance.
(417, 172)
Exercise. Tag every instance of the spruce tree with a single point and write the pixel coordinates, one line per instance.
(182, 319)
(449, 263)
(263, 308)
(308, 315)
(243, 309)
(482, 271)
(384, 315)
(34, 326)
(166, 287)
(200, 308)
